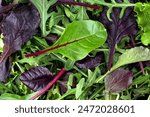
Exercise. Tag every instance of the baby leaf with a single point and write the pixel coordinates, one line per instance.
(78, 39)
(133, 55)
(143, 16)
(36, 78)
(118, 80)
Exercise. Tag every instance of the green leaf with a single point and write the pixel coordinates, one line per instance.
(9, 96)
(80, 38)
(79, 88)
(43, 7)
(133, 55)
(143, 16)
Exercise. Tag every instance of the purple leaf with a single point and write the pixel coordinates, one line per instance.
(18, 27)
(5, 68)
(118, 28)
(90, 62)
(36, 78)
(118, 80)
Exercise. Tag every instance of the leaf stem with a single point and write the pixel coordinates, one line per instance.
(62, 71)
(80, 4)
(115, 4)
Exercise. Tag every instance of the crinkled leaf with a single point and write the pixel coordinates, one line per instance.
(143, 16)
(5, 68)
(78, 39)
(90, 62)
(136, 54)
(118, 28)
(18, 27)
(36, 78)
(118, 80)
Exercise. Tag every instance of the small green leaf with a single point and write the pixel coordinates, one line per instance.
(133, 55)
(79, 88)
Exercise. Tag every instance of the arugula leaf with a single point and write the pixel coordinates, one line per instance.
(143, 16)
(78, 39)
(43, 7)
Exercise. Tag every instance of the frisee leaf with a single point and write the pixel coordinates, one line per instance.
(143, 16)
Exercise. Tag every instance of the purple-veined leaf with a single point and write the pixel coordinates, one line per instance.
(118, 28)
(90, 62)
(36, 78)
(118, 80)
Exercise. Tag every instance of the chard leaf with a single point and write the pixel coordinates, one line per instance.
(118, 27)
(78, 39)
(118, 80)
(36, 78)
(143, 16)
(136, 54)
(43, 7)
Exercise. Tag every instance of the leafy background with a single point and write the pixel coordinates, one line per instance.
(103, 49)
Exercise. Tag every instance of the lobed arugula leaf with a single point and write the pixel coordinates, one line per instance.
(43, 7)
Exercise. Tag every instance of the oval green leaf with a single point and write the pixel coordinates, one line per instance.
(80, 38)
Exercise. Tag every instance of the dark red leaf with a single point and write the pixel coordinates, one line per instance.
(18, 27)
(5, 68)
(118, 28)
(37, 78)
(118, 80)
(90, 62)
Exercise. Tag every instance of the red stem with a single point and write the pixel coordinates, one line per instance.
(81, 4)
(50, 84)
